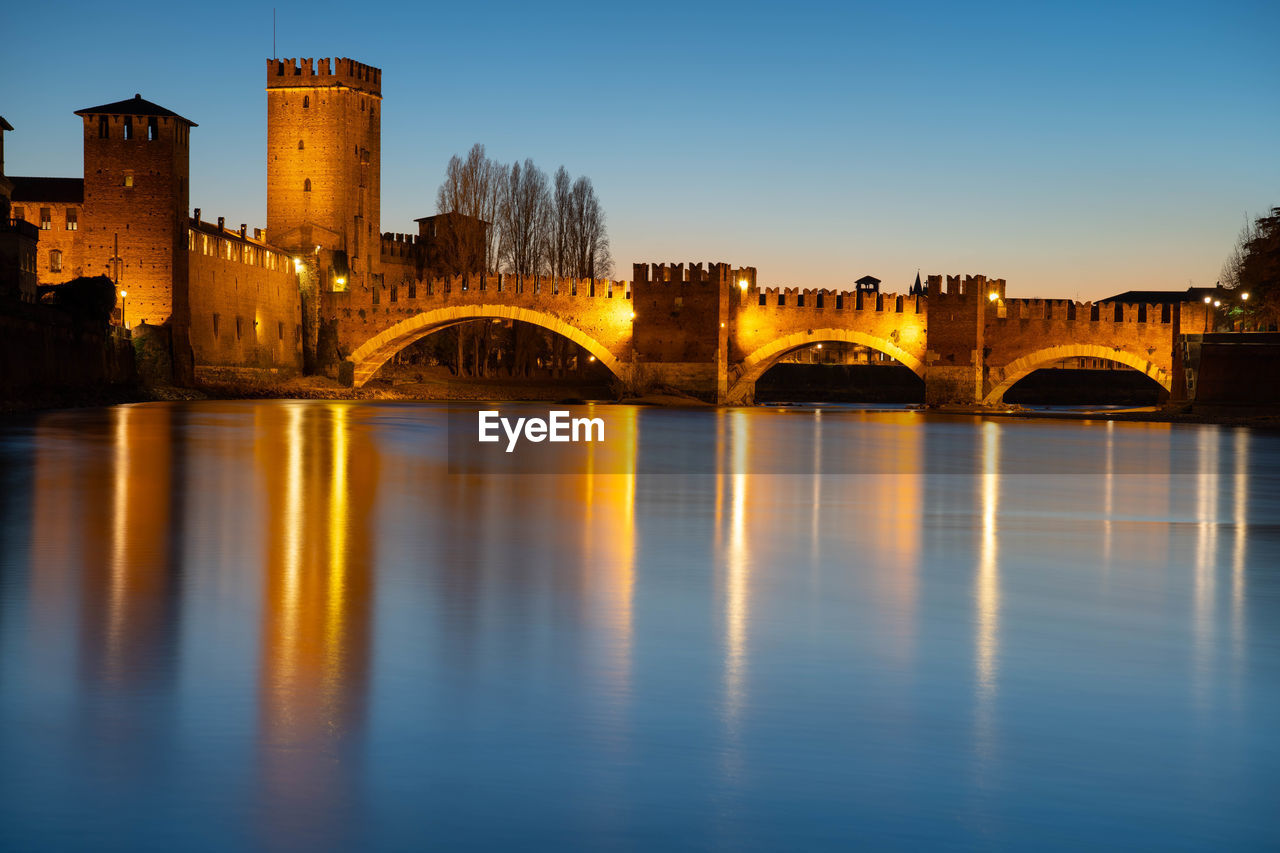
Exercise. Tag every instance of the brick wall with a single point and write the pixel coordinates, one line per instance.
(246, 310)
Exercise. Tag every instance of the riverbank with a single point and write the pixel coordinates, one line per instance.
(442, 389)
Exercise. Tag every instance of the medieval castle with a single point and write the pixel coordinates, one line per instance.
(321, 289)
(231, 297)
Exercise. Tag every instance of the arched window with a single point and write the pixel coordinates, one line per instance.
(300, 145)
(306, 101)
(306, 185)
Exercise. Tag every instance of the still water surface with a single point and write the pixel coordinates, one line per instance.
(294, 625)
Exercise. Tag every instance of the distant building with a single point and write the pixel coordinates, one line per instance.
(917, 289)
(868, 284)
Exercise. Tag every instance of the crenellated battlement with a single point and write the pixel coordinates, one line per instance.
(398, 246)
(714, 273)
(339, 71)
(965, 287)
(837, 300)
(1091, 312)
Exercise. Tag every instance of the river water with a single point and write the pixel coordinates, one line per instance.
(322, 625)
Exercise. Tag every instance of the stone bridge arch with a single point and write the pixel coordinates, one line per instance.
(1002, 379)
(758, 362)
(373, 353)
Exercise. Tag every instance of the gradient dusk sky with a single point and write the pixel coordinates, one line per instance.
(1076, 150)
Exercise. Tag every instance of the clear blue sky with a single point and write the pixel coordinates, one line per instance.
(1074, 149)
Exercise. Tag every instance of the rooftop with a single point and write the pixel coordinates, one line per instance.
(135, 106)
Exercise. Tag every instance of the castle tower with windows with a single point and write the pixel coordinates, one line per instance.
(136, 196)
(324, 159)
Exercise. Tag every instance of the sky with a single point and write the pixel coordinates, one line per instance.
(1076, 150)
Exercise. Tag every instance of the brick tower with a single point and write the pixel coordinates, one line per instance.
(324, 156)
(136, 192)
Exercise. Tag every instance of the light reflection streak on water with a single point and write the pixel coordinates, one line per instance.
(1203, 589)
(736, 596)
(337, 562)
(119, 538)
(987, 594)
(1108, 499)
(1240, 500)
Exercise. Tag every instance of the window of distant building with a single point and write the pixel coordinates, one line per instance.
(128, 180)
(306, 185)
(128, 127)
(306, 101)
(18, 213)
(55, 260)
(301, 146)
(104, 130)
(73, 219)
(46, 219)
(153, 129)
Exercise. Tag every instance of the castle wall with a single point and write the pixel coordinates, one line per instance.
(63, 235)
(246, 310)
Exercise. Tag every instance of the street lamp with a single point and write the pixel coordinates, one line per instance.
(123, 294)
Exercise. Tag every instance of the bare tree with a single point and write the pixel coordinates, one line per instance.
(588, 236)
(1231, 267)
(523, 217)
(471, 187)
(561, 222)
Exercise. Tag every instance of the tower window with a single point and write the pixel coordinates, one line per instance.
(301, 146)
(128, 128)
(55, 260)
(306, 101)
(306, 185)
(153, 129)
(73, 219)
(104, 130)
(46, 219)
(128, 180)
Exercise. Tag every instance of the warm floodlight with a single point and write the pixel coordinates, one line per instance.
(1216, 303)
(819, 346)
(633, 315)
(1245, 297)
(591, 358)
(124, 293)
(341, 280)
(993, 296)
(742, 283)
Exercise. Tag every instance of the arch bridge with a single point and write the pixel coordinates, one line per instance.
(713, 332)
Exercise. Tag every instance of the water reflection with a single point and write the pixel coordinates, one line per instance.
(320, 480)
(287, 624)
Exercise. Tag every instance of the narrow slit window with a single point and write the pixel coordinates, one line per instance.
(306, 185)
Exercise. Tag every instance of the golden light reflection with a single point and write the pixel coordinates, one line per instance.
(136, 595)
(609, 543)
(320, 476)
